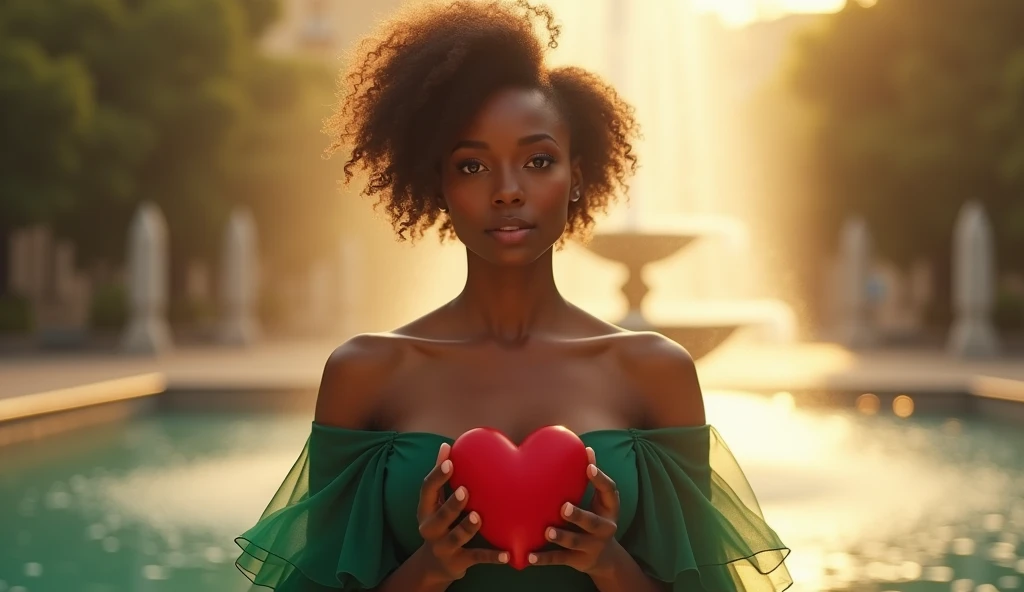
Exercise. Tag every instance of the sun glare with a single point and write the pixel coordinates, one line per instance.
(737, 13)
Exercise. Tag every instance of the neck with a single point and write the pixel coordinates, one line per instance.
(509, 304)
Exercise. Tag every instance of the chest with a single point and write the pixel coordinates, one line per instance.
(513, 391)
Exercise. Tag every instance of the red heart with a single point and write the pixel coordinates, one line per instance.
(519, 491)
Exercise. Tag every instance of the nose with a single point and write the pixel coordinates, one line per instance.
(509, 191)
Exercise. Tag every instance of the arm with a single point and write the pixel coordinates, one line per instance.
(666, 378)
(354, 376)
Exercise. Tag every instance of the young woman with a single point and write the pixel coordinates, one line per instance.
(456, 120)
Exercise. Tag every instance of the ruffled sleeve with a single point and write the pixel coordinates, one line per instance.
(697, 523)
(325, 528)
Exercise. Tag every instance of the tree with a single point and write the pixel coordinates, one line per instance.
(107, 103)
(919, 107)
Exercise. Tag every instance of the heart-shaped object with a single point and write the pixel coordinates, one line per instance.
(519, 491)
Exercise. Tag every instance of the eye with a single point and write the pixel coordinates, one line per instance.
(540, 161)
(471, 167)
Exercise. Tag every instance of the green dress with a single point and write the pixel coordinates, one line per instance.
(345, 517)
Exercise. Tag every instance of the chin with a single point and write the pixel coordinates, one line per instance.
(520, 256)
(512, 258)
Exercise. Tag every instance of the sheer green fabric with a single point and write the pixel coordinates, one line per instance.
(345, 516)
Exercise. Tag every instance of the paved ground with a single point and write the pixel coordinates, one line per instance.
(829, 367)
(278, 365)
(297, 366)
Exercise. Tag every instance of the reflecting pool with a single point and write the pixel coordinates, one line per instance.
(866, 502)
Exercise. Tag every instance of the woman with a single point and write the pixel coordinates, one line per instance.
(456, 120)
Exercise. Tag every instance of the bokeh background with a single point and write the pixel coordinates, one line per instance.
(840, 185)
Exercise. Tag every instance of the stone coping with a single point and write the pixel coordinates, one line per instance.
(1004, 389)
(37, 415)
(86, 395)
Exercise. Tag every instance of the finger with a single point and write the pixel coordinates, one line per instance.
(437, 525)
(607, 492)
(590, 522)
(461, 534)
(430, 491)
(551, 558)
(591, 456)
(570, 540)
(442, 453)
(476, 556)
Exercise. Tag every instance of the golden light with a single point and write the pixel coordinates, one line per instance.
(738, 13)
(784, 401)
(903, 406)
(868, 404)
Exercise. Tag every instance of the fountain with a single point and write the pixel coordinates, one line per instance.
(636, 249)
(706, 325)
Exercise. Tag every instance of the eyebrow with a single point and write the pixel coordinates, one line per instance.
(531, 139)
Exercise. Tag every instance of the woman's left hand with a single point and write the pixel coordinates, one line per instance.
(591, 550)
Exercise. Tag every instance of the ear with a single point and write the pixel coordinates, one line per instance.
(576, 176)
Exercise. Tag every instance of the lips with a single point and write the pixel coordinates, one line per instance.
(509, 223)
(510, 235)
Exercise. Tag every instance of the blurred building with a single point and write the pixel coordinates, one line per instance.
(325, 27)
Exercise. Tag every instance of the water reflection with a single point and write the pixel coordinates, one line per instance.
(882, 503)
(867, 502)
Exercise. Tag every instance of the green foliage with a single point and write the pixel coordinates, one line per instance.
(15, 315)
(283, 176)
(45, 107)
(109, 309)
(184, 312)
(1009, 310)
(260, 14)
(106, 103)
(919, 107)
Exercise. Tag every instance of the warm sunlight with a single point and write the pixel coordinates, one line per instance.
(737, 13)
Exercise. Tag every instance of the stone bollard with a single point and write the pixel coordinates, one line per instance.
(854, 266)
(239, 280)
(974, 282)
(147, 331)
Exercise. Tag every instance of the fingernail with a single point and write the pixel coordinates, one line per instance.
(592, 469)
(503, 557)
(460, 493)
(567, 509)
(474, 517)
(533, 558)
(446, 467)
(551, 533)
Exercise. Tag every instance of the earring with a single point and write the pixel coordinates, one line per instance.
(576, 197)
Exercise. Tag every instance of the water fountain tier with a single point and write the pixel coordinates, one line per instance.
(636, 250)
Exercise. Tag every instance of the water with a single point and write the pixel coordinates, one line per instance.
(866, 503)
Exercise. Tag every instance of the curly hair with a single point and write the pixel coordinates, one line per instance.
(411, 88)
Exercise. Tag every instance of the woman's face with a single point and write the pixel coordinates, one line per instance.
(507, 182)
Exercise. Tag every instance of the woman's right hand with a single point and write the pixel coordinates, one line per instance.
(443, 550)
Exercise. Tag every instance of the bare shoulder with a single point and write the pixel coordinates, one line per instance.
(664, 374)
(356, 372)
